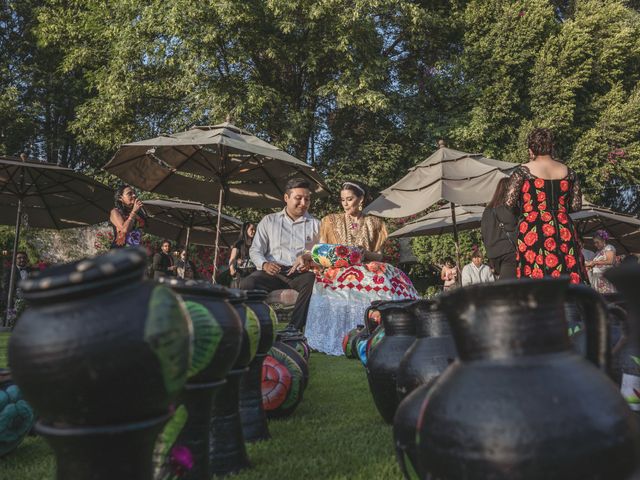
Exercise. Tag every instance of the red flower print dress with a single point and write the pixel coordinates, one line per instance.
(546, 245)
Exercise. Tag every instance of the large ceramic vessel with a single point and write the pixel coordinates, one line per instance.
(216, 341)
(227, 451)
(432, 351)
(519, 403)
(102, 356)
(383, 362)
(16, 415)
(285, 375)
(254, 420)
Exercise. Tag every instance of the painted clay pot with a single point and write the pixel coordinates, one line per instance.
(254, 420)
(101, 355)
(519, 403)
(350, 341)
(432, 351)
(297, 341)
(16, 415)
(285, 375)
(216, 342)
(383, 362)
(625, 278)
(227, 453)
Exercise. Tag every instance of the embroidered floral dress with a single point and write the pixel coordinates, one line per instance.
(342, 294)
(546, 244)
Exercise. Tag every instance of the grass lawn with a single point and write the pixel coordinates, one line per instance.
(336, 433)
(4, 340)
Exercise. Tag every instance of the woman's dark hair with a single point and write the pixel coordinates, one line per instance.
(499, 196)
(117, 200)
(541, 142)
(448, 260)
(244, 240)
(359, 189)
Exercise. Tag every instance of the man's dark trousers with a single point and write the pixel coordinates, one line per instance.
(300, 282)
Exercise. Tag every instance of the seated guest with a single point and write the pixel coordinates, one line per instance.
(185, 268)
(280, 250)
(240, 264)
(163, 264)
(353, 277)
(476, 271)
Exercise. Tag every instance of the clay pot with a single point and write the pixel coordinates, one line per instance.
(216, 342)
(254, 420)
(16, 415)
(625, 278)
(350, 341)
(404, 432)
(285, 376)
(519, 403)
(101, 355)
(297, 341)
(432, 351)
(227, 453)
(383, 362)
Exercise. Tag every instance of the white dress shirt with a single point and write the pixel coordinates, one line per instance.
(279, 239)
(472, 274)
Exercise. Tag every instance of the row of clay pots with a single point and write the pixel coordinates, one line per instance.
(517, 403)
(105, 357)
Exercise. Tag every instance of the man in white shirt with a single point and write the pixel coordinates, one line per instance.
(476, 271)
(280, 250)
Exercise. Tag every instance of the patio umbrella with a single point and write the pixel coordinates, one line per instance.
(441, 221)
(189, 222)
(51, 196)
(220, 164)
(458, 177)
(623, 228)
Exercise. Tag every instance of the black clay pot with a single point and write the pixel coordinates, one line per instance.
(254, 420)
(432, 351)
(216, 342)
(519, 403)
(405, 423)
(101, 355)
(384, 360)
(625, 278)
(227, 453)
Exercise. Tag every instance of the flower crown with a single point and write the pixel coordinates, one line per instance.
(603, 234)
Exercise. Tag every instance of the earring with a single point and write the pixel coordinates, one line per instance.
(360, 207)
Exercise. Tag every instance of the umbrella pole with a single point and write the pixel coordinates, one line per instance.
(12, 275)
(215, 254)
(455, 240)
(186, 241)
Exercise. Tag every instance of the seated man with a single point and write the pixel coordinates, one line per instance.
(280, 250)
(476, 271)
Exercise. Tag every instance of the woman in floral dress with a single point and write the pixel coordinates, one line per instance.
(126, 218)
(544, 192)
(352, 278)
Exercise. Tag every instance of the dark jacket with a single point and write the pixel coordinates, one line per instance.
(161, 264)
(5, 279)
(498, 227)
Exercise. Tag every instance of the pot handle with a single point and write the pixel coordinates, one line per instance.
(595, 321)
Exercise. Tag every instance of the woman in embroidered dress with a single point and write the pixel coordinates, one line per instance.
(604, 259)
(544, 192)
(126, 218)
(344, 291)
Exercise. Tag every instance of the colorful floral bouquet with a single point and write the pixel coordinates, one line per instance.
(331, 255)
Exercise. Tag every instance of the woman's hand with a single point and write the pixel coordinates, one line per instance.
(232, 270)
(137, 205)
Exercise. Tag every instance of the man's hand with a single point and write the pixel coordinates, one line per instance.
(272, 268)
(302, 264)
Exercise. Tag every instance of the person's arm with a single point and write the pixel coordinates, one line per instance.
(260, 247)
(512, 195)
(466, 277)
(609, 257)
(575, 196)
(232, 261)
(157, 262)
(443, 274)
(125, 224)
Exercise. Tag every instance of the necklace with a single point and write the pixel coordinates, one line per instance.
(353, 225)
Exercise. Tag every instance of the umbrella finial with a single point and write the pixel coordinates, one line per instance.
(229, 118)
(441, 143)
(23, 157)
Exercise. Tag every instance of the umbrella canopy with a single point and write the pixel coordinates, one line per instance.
(200, 163)
(458, 177)
(624, 229)
(189, 222)
(51, 197)
(441, 221)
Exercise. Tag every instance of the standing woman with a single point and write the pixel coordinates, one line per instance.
(544, 192)
(604, 259)
(126, 218)
(449, 274)
(498, 228)
(240, 264)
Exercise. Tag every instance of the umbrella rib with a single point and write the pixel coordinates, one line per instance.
(213, 168)
(85, 199)
(270, 177)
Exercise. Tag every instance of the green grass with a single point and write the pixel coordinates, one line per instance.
(336, 433)
(4, 341)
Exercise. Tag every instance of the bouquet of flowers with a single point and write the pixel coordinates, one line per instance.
(332, 255)
(391, 251)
